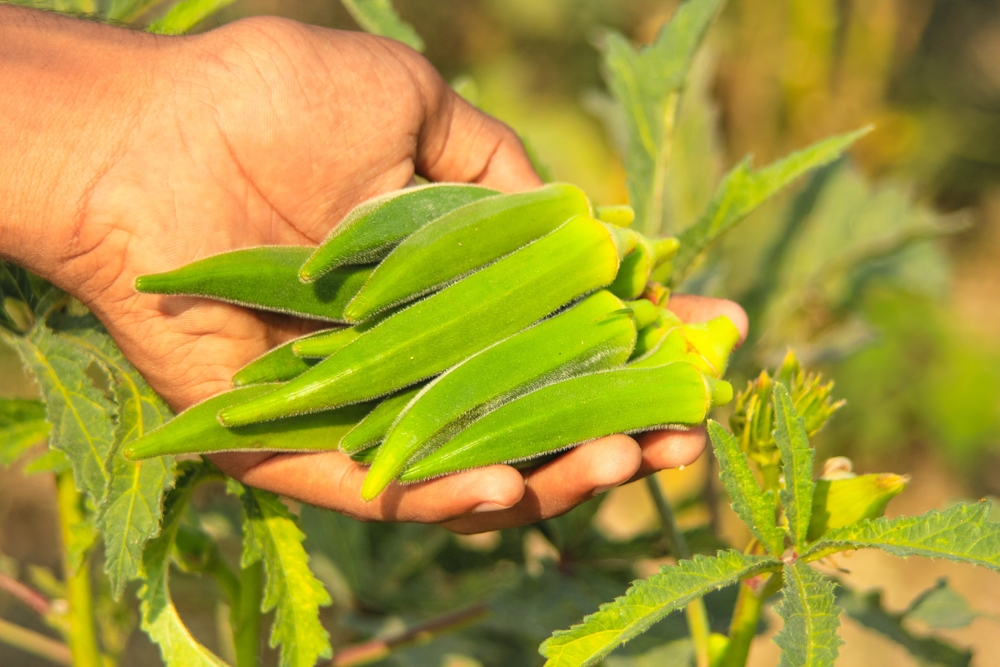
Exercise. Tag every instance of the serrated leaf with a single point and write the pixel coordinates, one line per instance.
(131, 513)
(160, 619)
(82, 536)
(82, 417)
(379, 17)
(185, 15)
(796, 464)
(743, 189)
(646, 84)
(809, 609)
(758, 509)
(271, 535)
(646, 602)
(962, 533)
(22, 425)
(19, 290)
(867, 609)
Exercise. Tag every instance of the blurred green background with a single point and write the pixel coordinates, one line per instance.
(883, 270)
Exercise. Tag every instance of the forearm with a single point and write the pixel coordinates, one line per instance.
(72, 91)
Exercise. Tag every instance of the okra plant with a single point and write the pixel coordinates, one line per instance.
(464, 328)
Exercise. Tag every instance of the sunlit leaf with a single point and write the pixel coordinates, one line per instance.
(379, 17)
(160, 619)
(962, 533)
(131, 512)
(797, 465)
(185, 15)
(645, 603)
(82, 417)
(758, 509)
(22, 425)
(743, 189)
(646, 84)
(271, 535)
(809, 609)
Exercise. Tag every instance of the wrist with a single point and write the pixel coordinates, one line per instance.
(74, 92)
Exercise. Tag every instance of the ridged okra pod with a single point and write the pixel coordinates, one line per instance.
(370, 231)
(594, 334)
(637, 266)
(436, 333)
(707, 345)
(265, 278)
(371, 430)
(279, 364)
(197, 430)
(462, 241)
(577, 410)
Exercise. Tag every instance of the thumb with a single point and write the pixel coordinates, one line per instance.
(460, 143)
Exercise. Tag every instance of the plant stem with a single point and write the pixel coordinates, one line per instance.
(246, 616)
(746, 615)
(375, 650)
(34, 643)
(82, 630)
(697, 615)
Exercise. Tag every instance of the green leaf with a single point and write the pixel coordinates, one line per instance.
(942, 607)
(22, 425)
(866, 609)
(962, 533)
(758, 509)
(645, 603)
(82, 417)
(126, 11)
(379, 17)
(160, 619)
(797, 465)
(271, 535)
(131, 512)
(743, 189)
(185, 15)
(646, 84)
(809, 609)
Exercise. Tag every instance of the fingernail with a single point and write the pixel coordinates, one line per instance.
(601, 489)
(488, 507)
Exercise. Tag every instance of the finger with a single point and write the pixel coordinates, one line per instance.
(461, 143)
(332, 480)
(670, 448)
(692, 308)
(559, 486)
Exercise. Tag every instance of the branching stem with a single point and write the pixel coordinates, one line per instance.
(82, 630)
(34, 643)
(697, 615)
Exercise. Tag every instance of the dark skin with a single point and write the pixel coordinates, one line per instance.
(135, 154)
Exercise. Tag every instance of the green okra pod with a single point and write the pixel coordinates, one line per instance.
(579, 340)
(265, 278)
(197, 430)
(638, 265)
(577, 410)
(426, 338)
(277, 365)
(462, 241)
(707, 345)
(370, 231)
(371, 430)
(617, 215)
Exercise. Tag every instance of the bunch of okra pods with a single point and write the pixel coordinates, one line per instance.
(479, 328)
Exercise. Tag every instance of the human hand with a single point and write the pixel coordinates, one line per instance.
(267, 132)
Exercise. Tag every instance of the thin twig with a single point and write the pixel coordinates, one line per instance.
(361, 654)
(25, 594)
(34, 643)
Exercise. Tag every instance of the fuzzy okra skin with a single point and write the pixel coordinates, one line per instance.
(433, 334)
(371, 430)
(595, 334)
(265, 278)
(277, 365)
(462, 241)
(637, 266)
(197, 430)
(577, 410)
(370, 231)
(707, 345)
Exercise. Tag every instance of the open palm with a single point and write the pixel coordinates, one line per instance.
(268, 132)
